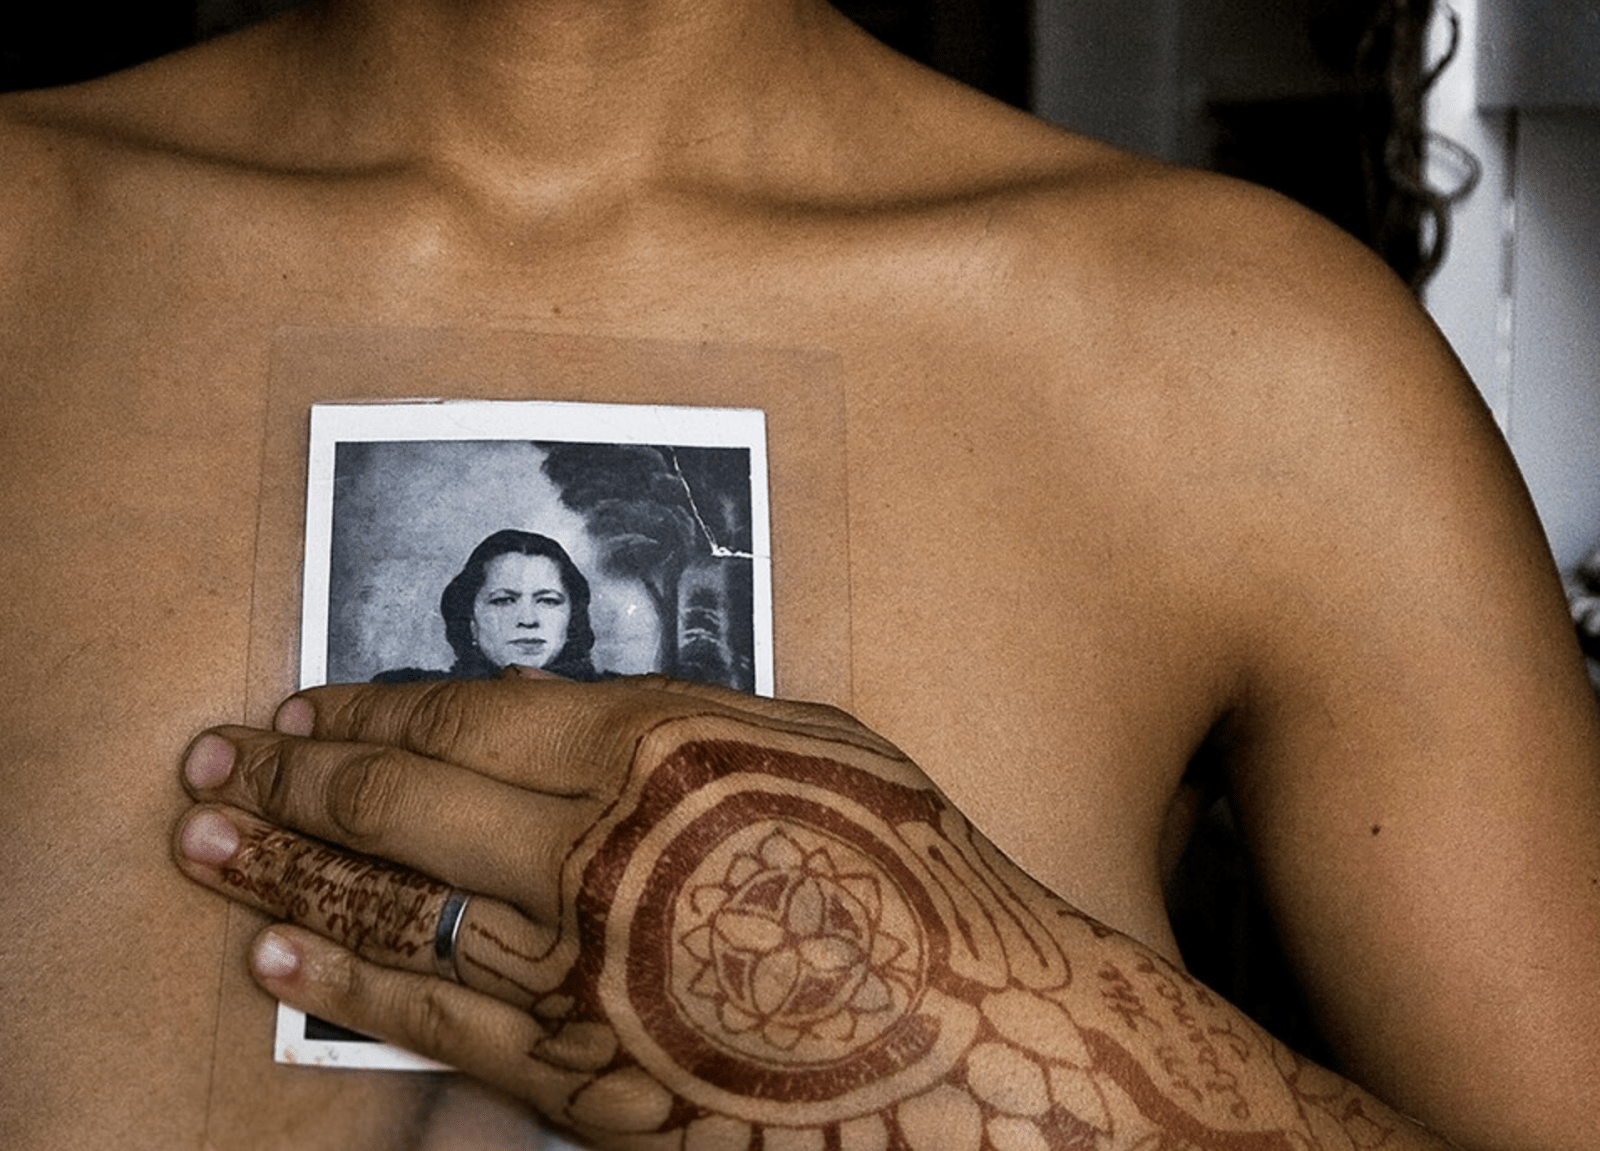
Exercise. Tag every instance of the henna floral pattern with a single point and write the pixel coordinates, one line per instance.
(793, 948)
(776, 951)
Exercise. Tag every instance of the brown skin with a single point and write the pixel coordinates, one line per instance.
(1136, 458)
(848, 962)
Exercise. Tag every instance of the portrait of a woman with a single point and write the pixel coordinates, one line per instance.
(519, 599)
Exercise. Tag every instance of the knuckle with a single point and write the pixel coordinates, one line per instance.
(339, 982)
(437, 717)
(260, 772)
(368, 714)
(429, 1021)
(359, 712)
(364, 794)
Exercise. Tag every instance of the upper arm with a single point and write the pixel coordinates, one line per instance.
(1417, 760)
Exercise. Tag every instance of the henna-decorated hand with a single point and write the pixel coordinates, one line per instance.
(708, 922)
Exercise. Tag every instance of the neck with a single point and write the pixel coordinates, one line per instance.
(577, 82)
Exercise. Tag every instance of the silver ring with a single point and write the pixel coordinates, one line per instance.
(445, 933)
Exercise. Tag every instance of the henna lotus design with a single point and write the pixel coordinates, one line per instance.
(794, 950)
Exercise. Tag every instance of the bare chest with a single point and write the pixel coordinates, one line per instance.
(954, 557)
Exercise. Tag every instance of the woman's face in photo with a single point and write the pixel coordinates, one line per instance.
(521, 613)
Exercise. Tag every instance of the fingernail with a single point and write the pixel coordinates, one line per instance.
(275, 957)
(209, 761)
(209, 837)
(295, 717)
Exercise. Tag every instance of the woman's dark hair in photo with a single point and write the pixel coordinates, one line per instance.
(460, 594)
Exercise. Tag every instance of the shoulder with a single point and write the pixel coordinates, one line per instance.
(206, 100)
(1198, 269)
(1286, 410)
(215, 105)
(1245, 344)
(66, 150)
(1243, 363)
(167, 157)
(1232, 373)
(1074, 241)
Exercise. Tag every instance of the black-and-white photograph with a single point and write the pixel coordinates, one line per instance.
(513, 534)
(451, 540)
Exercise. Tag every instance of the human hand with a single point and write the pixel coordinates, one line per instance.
(697, 916)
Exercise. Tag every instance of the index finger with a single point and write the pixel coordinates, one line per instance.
(543, 733)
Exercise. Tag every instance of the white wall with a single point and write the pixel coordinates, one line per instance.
(1519, 294)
